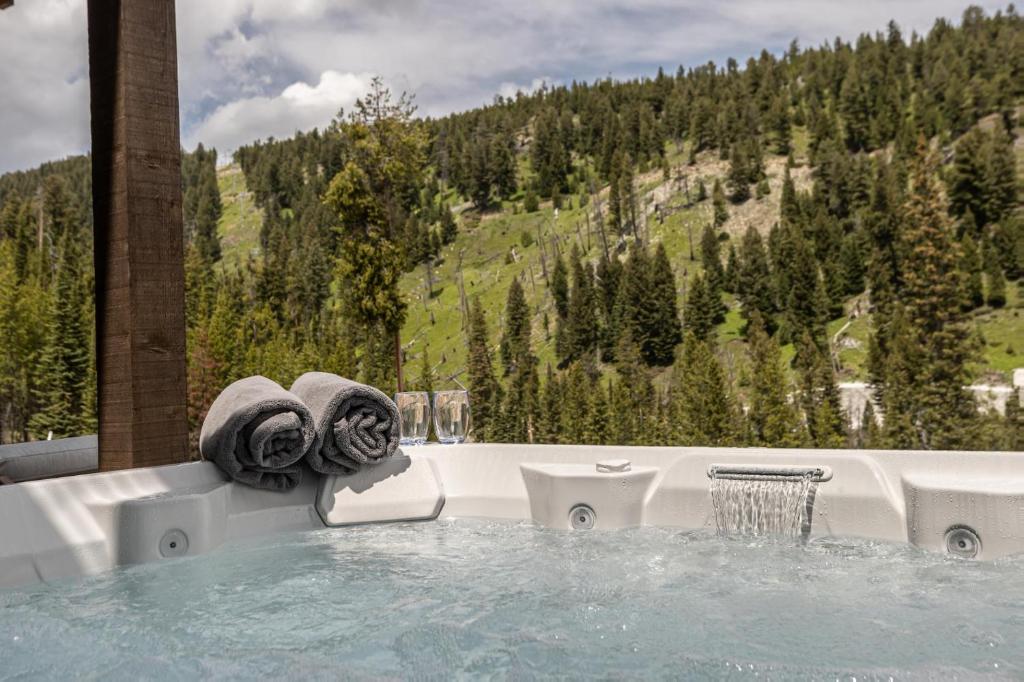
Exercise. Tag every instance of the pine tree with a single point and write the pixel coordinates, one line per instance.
(560, 287)
(576, 418)
(633, 398)
(484, 390)
(204, 382)
(996, 294)
(718, 200)
(449, 229)
(632, 298)
(805, 296)
(971, 267)
(531, 204)
(928, 365)
(549, 427)
(732, 270)
(65, 357)
(900, 402)
(852, 263)
(426, 378)
(665, 329)
(738, 178)
(627, 197)
(600, 426)
(515, 340)
(582, 326)
(703, 411)
(609, 272)
(819, 395)
(712, 261)
(773, 420)
(699, 311)
(371, 198)
(754, 280)
(503, 166)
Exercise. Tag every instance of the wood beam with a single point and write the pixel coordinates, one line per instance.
(136, 174)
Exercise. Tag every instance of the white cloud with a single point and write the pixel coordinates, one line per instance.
(255, 68)
(509, 90)
(44, 108)
(300, 106)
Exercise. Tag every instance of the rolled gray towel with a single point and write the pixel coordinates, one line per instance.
(258, 432)
(356, 424)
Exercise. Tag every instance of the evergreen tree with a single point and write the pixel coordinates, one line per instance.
(560, 287)
(576, 419)
(773, 420)
(600, 426)
(60, 393)
(531, 204)
(738, 178)
(583, 332)
(703, 410)
(484, 390)
(754, 281)
(665, 328)
(633, 398)
(699, 311)
(996, 294)
(971, 267)
(806, 299)
(503, 166)
(712, 261)
(372, 196)
(449, 229)
(718, 200)
(627, 198)
(515, 340)
(609, 271)
(928, 365)
(732, 270)
(549, 427)
(819, 395)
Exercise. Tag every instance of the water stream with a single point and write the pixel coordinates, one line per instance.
(762, 505)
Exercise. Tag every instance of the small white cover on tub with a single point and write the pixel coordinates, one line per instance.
(398, 489)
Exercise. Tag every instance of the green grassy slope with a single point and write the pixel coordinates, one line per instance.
(492, 251)
(239, 226)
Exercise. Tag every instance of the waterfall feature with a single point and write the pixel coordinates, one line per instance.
(763, 500)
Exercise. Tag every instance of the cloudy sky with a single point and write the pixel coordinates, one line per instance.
(256, 68)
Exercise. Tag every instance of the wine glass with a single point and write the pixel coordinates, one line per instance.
(451, 416)
(414, 415)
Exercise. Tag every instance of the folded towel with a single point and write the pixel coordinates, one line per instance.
(258, 432)
(356, 424)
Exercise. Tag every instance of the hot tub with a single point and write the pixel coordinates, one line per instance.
(464, 560)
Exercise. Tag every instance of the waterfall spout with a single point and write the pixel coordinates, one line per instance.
(764, 500)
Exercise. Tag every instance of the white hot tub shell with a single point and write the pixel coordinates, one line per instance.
(81, 525)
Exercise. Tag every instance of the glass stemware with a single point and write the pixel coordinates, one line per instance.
(451, 416)
(414, 413)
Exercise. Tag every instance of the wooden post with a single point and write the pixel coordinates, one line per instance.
(138, 245)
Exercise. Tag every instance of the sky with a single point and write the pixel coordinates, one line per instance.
(252, 69)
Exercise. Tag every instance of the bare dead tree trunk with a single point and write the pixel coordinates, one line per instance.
(462, 293)
(599, 217)
(543, 256)
(398, 360)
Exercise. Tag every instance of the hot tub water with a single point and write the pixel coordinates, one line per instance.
(475, 599)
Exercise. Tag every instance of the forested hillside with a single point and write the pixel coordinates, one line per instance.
(696, 257)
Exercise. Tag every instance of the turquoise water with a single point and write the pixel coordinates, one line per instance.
(500, 600)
